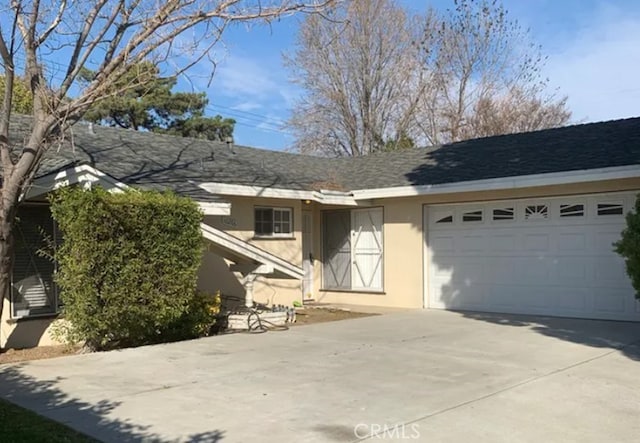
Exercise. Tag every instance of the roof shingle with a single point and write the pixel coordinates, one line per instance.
(166, 162)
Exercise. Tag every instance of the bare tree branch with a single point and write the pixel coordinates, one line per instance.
(363, 79)
(483, 59)
(106, 37)
(54, 24)
(370, 87)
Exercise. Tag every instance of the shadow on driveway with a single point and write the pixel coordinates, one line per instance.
(44, 398)
(594, 333)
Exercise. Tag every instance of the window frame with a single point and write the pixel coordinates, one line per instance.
(502, 218)
(55, 302)
(532, 217)
(611, 206)
(444, 218)
(565, 212)
(475, 212)
(274, 210)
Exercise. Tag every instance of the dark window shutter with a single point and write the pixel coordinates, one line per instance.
(33, 288)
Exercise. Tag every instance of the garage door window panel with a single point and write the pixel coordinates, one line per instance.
(504, 214)
(536, 212)
(616, 208)
(443, 217)
(474, 216)
(571, 210)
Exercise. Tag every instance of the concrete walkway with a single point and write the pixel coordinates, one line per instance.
(436, 376)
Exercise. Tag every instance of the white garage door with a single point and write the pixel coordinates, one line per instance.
(548, 257)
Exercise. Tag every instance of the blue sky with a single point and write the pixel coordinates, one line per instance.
(593, 48)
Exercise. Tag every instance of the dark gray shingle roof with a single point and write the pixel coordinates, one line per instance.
(161, 161)
(579, 147)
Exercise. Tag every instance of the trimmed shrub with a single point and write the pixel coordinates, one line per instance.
(629, 247)
(127, 265)
(197, 320)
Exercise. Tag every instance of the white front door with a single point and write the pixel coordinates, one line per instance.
(366, 249)
(307, 254)
(550, 256)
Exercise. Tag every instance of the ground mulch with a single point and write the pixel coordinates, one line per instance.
(321, 315)
(303, 317)
(39, 353)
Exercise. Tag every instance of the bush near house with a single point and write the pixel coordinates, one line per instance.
(128, 267)
(629, 247)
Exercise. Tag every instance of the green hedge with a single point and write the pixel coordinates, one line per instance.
(127, 265)
(629, 247)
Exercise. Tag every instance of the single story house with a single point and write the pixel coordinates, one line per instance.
(520, 223)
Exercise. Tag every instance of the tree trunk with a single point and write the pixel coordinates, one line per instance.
(7, 216)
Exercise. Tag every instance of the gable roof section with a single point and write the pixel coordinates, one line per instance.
(160, 161)
(183, 164)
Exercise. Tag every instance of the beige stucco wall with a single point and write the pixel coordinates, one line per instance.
(214, 273)
(404, 240)
(403, 253)
(26, 333)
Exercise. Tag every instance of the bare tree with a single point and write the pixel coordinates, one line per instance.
(50, 42)
(513, 112)
(375, 78)
(481, 60)
(359, 71)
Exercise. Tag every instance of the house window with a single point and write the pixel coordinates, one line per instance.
(504, 214)
(33, 290)
(536, 212)
(571, 210)
(273, 222)
(610, 208)
(352, 250)
(472, 216)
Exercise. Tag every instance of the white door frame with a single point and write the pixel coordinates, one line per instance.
(426, 256)
(307, 254)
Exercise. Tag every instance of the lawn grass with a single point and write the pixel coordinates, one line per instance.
(19, 425)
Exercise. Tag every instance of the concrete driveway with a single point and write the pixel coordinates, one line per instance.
(435, 375)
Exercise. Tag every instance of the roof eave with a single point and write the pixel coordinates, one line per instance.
(503, 183)
(326, 197)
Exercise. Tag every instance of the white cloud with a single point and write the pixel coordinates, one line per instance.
(598, 67)
(247, 106)
(243, 76)
(258, 81)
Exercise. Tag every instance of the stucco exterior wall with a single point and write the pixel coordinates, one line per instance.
(403, 254)
(214, 273)
(25, 333)
(404, 240)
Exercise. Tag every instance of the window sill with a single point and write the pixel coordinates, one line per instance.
(15, 320)
(356, 291)
(271, 237)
